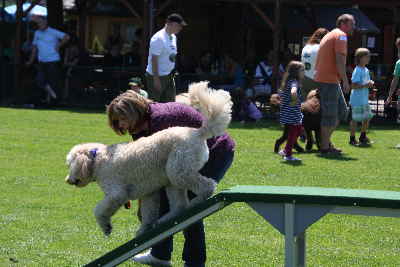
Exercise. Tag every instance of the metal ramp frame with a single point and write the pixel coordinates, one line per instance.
(290, 210)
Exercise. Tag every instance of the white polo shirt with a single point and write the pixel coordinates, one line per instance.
(164, 46)
(309, 57)
(46, 42)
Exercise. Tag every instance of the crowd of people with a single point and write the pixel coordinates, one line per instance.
(323, 69)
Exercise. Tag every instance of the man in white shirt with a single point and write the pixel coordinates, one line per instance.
(161, 60)
(46, 47)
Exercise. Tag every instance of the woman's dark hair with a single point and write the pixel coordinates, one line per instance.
(317, 36)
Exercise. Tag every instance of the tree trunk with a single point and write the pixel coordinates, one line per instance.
(18, 91)
(55, 16)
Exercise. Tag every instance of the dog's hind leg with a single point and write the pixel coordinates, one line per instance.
(183, 167)
(149, 209)
(200, 185)
(318, 138)
(310, 140)
(178, 201)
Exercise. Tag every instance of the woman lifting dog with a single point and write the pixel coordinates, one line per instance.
(133, 114)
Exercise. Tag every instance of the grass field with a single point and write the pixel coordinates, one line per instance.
(45, 222)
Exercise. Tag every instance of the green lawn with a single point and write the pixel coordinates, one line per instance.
(45, 222)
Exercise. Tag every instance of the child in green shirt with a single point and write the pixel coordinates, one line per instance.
(136, 85)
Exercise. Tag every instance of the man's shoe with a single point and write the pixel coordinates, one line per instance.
(282, 153)
(290, 158)
(148, 259)
(330, 151)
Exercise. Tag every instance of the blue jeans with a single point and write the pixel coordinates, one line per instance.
(194, 250)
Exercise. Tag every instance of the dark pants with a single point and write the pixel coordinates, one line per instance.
(194, 251)
(50, 73)
(167, 93)
(283, 138)
(293, 134)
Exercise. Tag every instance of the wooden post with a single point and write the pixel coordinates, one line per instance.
(396, 28)
(277, 41)
(151, 18)
(55, 16)
(82, 19)
(2, 65)
(145, 36)
(17, 58)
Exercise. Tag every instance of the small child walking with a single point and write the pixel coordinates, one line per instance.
(290, 113)
(360, 84)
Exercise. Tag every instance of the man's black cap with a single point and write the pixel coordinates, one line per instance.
(176, 18)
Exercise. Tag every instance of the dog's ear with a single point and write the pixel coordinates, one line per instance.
(84, 163)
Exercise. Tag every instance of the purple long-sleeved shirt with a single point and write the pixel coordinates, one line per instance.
(166, 115)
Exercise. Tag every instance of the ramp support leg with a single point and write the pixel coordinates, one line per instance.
(295, 245)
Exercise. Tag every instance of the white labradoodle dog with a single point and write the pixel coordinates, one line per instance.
(170, 158)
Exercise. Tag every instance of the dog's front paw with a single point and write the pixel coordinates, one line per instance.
(105, 224)
(107, 229)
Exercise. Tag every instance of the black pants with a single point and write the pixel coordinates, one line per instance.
(50, 73)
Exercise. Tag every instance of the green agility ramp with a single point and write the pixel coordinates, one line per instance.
(151, 237)
(290, 210)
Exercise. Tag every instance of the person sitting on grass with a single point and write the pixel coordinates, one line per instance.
(360, 83)
(136, 85)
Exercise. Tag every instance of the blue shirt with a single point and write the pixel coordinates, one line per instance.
(290, 114)
(359, 97)
(46, 42)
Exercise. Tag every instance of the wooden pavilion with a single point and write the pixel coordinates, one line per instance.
(238, 26)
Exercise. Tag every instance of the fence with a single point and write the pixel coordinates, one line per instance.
(95, 85)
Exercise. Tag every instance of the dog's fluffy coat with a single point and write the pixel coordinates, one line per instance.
(170, 158)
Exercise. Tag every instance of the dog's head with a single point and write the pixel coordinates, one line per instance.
(312, 104)
(80, 161)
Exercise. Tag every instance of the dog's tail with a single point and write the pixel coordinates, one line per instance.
(215, 105)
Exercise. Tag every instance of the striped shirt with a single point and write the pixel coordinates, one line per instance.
(290, 114)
